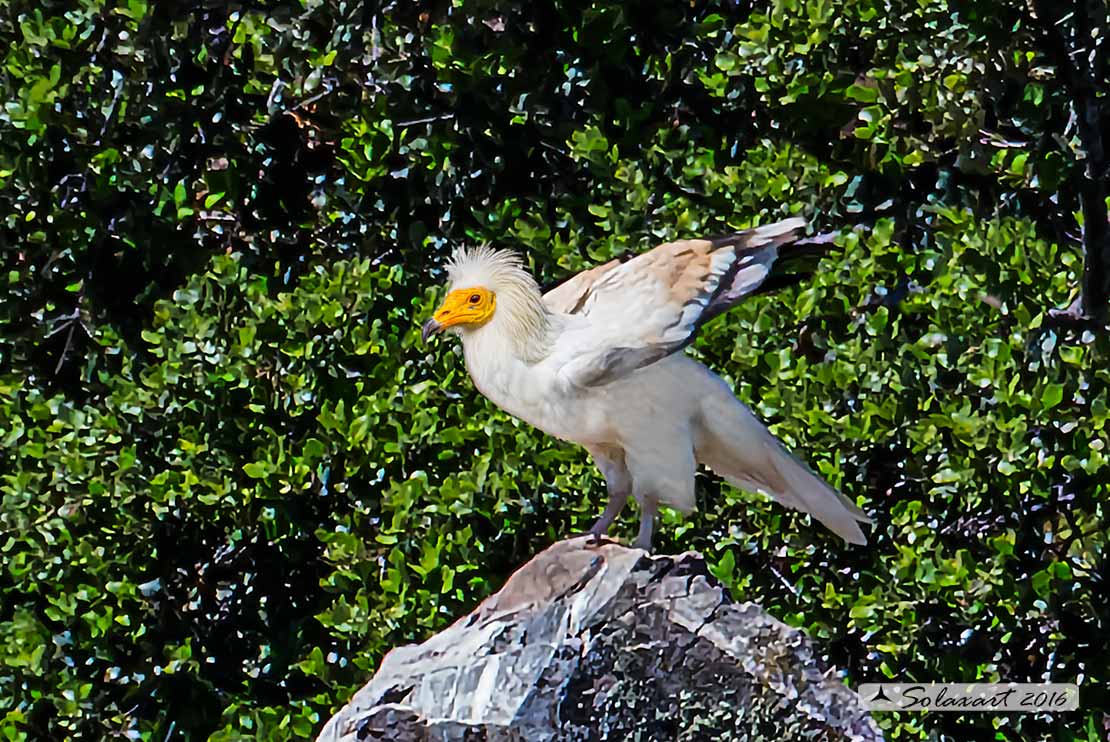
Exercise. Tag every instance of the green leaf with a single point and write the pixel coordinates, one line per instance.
(1052, 395)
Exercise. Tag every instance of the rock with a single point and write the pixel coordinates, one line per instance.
(590, 642)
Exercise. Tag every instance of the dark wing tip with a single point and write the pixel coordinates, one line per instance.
(775, 233)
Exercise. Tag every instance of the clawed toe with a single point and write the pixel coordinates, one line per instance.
(595, 539)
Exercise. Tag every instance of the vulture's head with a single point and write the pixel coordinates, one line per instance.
(485, 287)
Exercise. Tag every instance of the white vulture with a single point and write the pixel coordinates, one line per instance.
(597, 361)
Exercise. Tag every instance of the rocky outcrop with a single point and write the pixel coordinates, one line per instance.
(591, 642)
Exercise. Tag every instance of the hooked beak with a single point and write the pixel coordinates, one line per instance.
(431, 327)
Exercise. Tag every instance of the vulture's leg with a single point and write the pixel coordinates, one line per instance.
(617, 481)
(648, 508)
(617, 500)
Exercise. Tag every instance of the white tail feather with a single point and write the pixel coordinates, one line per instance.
(739, 447)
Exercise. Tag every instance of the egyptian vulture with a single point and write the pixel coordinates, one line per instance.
(597, 361)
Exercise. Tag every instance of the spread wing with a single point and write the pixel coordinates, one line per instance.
(636, 312)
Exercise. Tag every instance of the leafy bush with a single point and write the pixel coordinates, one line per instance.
(233, 477)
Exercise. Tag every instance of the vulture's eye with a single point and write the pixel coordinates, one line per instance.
(475, 298)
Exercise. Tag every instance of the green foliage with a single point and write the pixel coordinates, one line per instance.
(232, 477)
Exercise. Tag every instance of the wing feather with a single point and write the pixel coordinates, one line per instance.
(569, 296)
(639, 311)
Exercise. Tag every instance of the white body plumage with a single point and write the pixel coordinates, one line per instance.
(598, 361)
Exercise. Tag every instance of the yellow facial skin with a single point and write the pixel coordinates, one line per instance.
(469, 306)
